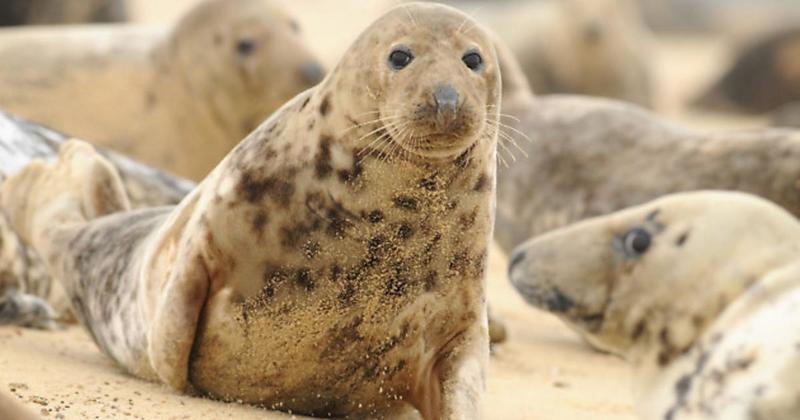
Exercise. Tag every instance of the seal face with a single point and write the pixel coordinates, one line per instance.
(337, 254)
(180, 99)
(666, 286)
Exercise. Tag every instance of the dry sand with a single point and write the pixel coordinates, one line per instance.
(543, 372)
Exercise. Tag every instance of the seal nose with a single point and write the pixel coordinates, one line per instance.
(446, 99)
(312, 72)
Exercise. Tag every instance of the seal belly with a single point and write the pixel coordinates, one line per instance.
(291, 354)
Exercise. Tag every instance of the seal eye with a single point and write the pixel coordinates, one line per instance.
(473, 61)
(245, 47)
(636, 242)
(400, 58)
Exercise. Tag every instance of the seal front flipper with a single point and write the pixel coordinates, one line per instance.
(26, 310)
(175, 301)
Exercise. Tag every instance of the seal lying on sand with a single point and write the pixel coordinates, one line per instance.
(764, 77)
(179, 100)
(46, 12)
(28, 296)
(698, 290)
(588, 157)
(333, 263)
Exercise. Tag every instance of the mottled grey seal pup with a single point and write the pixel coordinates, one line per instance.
(588, 157)
(179, 100)
(332, 264)
(28, 296)
(700, 291)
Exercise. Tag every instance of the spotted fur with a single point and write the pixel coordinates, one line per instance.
(354, 294)
(22, 272)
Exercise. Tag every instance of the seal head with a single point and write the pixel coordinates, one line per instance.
(647, 280)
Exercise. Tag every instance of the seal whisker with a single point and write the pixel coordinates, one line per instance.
(502, 115)
(410, 16)
(377, 120)
(506, 126)
(503, 136)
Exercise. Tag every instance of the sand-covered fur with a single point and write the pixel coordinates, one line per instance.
(337, 255)
(179, 99)
(698, 290)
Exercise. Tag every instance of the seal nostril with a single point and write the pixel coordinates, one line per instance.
(312, 72)
(446, 98)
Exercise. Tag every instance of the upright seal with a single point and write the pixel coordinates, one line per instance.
(332, 264)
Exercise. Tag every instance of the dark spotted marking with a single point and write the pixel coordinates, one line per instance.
(431, 280)
(259, 221)
(375, 216)
(468, 220)
(404, 231)
(684, 385)
(463, 159)
(304, 279)
(428, 183)
(337, 224)
(322, 162)
(325, 106)
(682, 239)
(272, 278)
(482, 184)
(638, 330)
(292, 236)
(277, 187)
(375, 251)
(397, 283)
(348, 176)
(406, 203)
(303, 106)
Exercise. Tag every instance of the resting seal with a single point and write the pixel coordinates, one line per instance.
(764, 76)
(28, 296)
(337, 254)
(46, 12)
(178, 100)
(588, 157)
(587, 47)
(698, 290)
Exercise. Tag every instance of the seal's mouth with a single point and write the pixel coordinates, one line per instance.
(419, 138)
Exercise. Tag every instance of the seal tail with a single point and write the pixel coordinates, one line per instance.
(43, 199)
